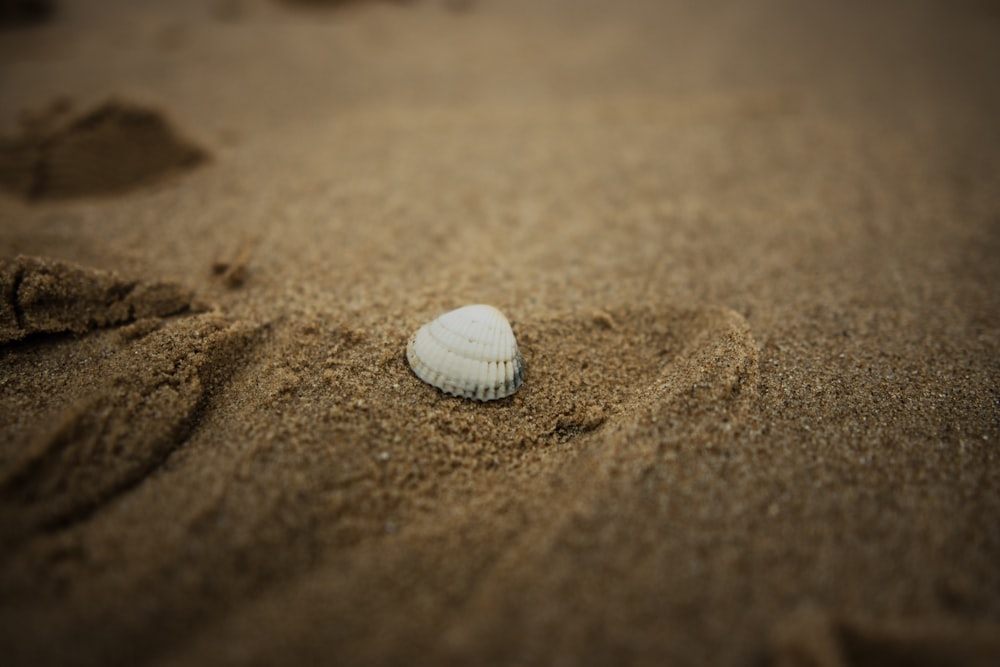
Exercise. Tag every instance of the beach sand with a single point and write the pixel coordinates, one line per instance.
(749, 252)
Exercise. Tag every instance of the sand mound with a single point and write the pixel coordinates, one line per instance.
(46, 296)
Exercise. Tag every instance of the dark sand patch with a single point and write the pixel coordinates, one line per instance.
(331, 4)
(111, 148)
(25, 12)
(91, 450)
(234, 268)
(811, 637)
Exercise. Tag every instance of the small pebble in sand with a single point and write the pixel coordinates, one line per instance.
(469, 352)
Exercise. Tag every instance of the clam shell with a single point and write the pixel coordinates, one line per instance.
(469, 352)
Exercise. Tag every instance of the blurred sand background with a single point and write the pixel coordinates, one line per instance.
(749, 250)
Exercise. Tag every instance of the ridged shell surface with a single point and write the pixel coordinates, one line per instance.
(469, 352)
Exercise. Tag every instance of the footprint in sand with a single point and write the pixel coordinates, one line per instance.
(589, 375)
(609, 397)
(616, 407)
(111, 148)
(100, 422)
(586, 373)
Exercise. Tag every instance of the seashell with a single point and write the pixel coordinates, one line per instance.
(469, 352)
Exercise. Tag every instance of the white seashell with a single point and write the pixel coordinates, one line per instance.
(469, 352)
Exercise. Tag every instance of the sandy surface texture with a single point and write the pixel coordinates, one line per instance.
(748, 249)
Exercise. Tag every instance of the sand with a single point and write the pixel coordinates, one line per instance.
(748, 251)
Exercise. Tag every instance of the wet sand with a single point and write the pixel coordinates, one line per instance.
(748, 252)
